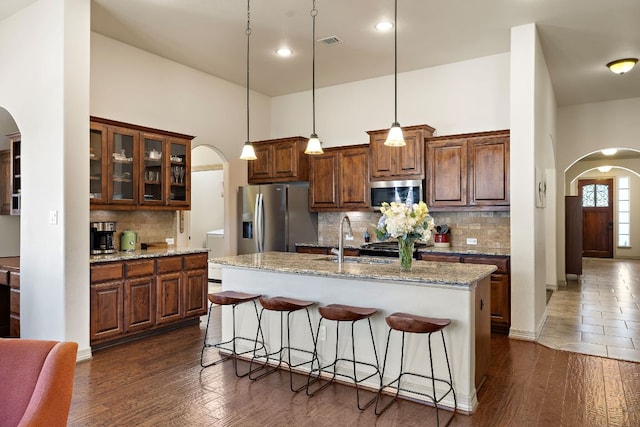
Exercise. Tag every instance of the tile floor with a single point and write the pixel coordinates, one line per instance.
(599, 314)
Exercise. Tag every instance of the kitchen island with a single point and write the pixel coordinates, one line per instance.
(459, 292)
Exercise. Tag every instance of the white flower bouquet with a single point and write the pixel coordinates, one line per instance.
(407, 223)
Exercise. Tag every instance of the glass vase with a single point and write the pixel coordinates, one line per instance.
(405, 252)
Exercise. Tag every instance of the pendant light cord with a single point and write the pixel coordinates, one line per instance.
(248, 33)
(395, 65)
(313, 13)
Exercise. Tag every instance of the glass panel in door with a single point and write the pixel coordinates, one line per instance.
(96, 154)
(178, 172)
(153, 175)
(122, 170)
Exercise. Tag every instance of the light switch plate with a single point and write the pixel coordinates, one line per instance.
(472, 241)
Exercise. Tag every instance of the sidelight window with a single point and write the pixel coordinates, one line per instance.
(624, 214)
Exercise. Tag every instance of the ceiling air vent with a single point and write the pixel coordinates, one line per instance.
(330, 41)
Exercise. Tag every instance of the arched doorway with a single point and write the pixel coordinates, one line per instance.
(9, 217)
(206, 219)
(605, 187)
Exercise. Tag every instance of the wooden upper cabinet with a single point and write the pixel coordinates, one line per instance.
(468, 172)
(388, 163)
(279, 160)
(489, 171)
(5, 179)
(134, 167)
(353, 177)
(339, 179)
(447, 173)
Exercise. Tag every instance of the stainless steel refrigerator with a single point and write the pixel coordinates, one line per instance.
(274, 217)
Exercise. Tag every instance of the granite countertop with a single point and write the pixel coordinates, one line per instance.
(12, 263)
(140, 254)
(455, 250)
(372, 268)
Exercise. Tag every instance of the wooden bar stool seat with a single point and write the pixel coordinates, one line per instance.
(414, 324)
(232, 298)
(289, 306)
(344, 313)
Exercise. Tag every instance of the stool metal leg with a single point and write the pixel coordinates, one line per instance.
(288, 348)
(221, 345)
(312, 379)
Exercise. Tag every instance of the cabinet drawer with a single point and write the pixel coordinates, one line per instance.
(168, 264)
(194, 262)
(14, 304)
(439, 257)
(104, 272)
(139, 268)
(501, 262)
(4, 277)
(14, 280)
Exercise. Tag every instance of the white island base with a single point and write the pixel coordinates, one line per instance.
(387, 289)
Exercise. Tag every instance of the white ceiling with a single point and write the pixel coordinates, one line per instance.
(578, 37)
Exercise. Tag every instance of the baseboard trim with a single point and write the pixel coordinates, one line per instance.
(84, 354)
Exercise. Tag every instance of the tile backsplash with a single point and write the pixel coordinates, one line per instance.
(151, 226)
(491, 229)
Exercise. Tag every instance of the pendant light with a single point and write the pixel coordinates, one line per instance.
(248, 153)
(314, 146)
(395, 137)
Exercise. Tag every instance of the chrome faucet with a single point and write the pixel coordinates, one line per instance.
(341, 240)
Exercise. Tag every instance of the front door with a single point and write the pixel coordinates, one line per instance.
(597, 217)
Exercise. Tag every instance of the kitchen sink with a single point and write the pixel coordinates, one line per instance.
(358, 260)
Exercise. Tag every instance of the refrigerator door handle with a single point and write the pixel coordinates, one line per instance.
(259, 220)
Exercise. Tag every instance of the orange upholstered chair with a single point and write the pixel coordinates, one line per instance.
(36, 382)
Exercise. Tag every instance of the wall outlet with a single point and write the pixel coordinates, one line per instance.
(348, 237)
(322, 333)
(472, 241)
(53, 217)
(170, 241)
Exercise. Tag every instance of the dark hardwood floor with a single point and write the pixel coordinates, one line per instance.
(158, 382)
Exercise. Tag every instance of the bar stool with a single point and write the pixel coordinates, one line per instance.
(410, 323)
(344, 313)
(289, 306)
(232, 298)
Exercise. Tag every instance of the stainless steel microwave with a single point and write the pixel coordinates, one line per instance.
(409, 191)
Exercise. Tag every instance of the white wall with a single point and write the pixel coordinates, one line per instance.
(49, 99)
(468, 96)
(532, 124)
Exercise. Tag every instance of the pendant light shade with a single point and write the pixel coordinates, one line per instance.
(395, 137)
(314, 146)
(248, 153)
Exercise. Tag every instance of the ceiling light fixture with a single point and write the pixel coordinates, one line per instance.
(384, 26)
(621, 66)
(604, 169)
(284, 51)
(395, 137)
(609, 151)
(248, 153)
(314, 146)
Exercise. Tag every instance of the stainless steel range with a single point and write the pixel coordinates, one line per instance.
(385, 248)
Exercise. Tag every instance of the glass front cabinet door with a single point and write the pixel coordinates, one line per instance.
(179, 172)
(97, 163)
(122, 183)
(153, 170)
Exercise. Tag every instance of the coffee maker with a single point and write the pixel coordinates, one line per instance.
(102, 237)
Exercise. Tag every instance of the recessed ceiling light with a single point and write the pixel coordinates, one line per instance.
(609, 151)
(284, 51)
(384, 26)
(621, 66)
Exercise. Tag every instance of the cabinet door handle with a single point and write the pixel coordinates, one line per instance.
(481, 304)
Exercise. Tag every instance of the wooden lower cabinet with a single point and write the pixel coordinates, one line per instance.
(483, 330)
(107, 303)
(141, 296)
(169, 299)
(500, 285)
